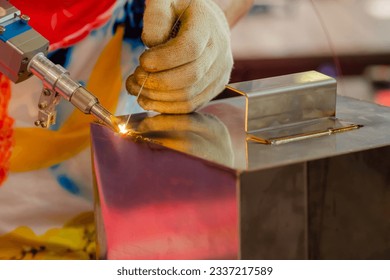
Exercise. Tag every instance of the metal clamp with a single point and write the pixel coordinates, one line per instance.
(47, 113)
(291, 108)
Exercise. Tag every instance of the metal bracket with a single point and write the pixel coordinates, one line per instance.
(47, 113)
(291, 108)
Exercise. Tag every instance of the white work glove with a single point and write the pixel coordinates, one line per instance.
(184, 72)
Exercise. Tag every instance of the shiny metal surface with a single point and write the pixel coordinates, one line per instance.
(349, 206)
(330, 208)
(193, 187)
(156, 203)
(289, 99)
(225, 120)
(290, 108)
(273, 213)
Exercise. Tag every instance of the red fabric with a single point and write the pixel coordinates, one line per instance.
(65, 22)
(6, 130)
(383, 97)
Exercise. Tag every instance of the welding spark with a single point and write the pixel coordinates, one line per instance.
(123, 128)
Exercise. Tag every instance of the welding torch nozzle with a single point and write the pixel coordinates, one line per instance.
(89, 104)
(57, 79)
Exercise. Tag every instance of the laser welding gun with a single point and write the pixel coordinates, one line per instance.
(23, 54)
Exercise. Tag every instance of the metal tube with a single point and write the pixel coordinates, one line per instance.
(105, 116)
(57, 79)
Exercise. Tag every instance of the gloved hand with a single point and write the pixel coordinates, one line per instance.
(181, 74)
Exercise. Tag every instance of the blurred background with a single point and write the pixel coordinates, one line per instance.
(346, 39)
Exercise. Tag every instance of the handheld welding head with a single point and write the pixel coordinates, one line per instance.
(19, 43)
(23, 53)
(57, 82)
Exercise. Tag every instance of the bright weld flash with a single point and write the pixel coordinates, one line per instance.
(123, 128)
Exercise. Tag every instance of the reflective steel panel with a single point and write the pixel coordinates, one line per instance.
(193, 187)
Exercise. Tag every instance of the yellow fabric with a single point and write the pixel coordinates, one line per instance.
(37, 148)
(76, 240)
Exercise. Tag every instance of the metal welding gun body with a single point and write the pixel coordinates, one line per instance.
(23, 54)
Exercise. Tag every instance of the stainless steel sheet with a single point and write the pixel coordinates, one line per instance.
(193, 187)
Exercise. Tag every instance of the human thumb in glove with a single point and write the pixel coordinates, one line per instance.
(182, 71)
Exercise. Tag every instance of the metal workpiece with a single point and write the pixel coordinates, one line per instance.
(329, 208)
(193, 187)
(187, 210)
(288, 99)
(218, 130)
(291, 107)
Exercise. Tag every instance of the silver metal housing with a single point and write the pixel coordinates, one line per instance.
(17, 49)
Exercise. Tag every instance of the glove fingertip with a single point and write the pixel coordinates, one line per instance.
(144, 103)
(158, 21)
(131, 85)
(148, 62)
